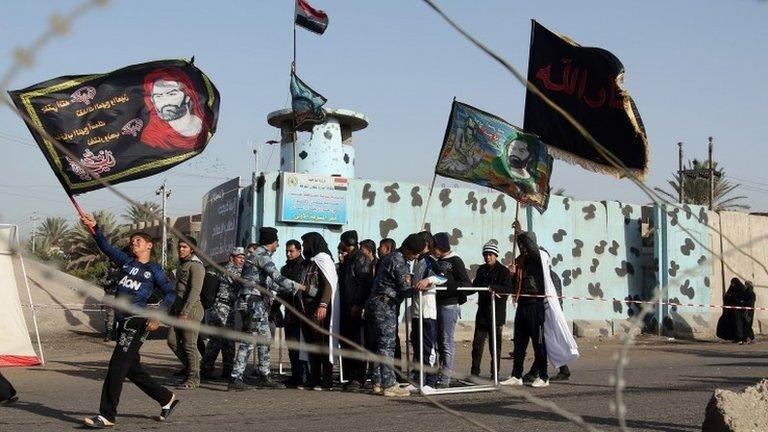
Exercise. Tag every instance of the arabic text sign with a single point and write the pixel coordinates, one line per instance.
(313, 199)
(218, 234)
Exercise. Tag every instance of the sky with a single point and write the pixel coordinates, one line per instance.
(695, 68)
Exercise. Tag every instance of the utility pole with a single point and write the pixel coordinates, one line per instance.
(711, 177)
(681, 181)
(695, 174)
(33, 218)
(255, 162)
(165, 193)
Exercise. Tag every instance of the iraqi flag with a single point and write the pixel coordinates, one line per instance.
(310, 18)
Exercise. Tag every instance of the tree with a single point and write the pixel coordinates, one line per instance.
(51, 237)
(83, 250)
(146, 212)
(696, 188)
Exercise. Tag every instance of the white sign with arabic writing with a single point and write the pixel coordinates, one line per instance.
(313, 199)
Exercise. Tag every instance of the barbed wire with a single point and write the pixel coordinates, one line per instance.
(59, 25)
(619, 408)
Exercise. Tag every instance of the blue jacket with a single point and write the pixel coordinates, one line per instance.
(393, 278)
(137, 280)
(261, 270)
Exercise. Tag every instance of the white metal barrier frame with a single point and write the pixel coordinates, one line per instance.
(14, 238)
(470, 388)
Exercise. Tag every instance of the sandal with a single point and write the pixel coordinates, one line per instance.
(166, 412)
(187, 385)
(98, 422)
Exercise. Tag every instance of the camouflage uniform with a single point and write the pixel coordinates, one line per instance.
(391, 286)
(223, 316)
(253, 308)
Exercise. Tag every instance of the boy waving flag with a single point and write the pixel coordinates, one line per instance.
(139, 279)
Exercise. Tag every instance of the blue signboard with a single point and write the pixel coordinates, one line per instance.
(313, 199)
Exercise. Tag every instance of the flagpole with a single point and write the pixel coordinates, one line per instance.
(429, 198)
(514, 246)
(80, 211)
(432, 186)
(293, 71)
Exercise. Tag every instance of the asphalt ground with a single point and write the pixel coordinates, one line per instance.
(669, 383)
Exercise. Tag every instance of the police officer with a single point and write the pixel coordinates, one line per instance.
(391, 286)
(355, 279)
(140, 277)
(223, 316)
(253, 305)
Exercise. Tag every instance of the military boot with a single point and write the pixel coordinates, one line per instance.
(266, 382)
(237, 385)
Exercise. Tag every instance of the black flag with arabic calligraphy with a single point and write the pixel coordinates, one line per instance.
(585, 82)
(122, 125)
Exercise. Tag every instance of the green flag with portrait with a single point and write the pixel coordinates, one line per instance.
(484, 149)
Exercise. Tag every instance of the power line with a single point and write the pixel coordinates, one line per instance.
(747, 181)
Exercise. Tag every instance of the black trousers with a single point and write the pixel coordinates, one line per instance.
(6, 389)
(529, 326)
(483, 333)
(320, 366)
(299, 368)
(126, 363)
(354, 370)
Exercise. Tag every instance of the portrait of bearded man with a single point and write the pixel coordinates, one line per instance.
(176, 119)
(516, 163)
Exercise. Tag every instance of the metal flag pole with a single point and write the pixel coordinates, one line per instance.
(451, 390)
(29, 295)
(293, 71)
(432, 185)
(711, 176)
(421, 342)
(494, 330)
(429, 198)
(514, 247)
(407, 318)
(680, 173)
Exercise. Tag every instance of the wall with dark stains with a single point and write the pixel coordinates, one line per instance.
(686, 269)
(744, 246)
(602, 251)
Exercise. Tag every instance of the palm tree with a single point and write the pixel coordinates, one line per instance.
(696, 188)
(51, 236)
(146, 212)
(83, 250)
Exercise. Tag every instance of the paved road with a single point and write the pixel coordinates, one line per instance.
(669, 384)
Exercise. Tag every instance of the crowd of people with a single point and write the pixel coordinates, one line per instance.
(358, 296)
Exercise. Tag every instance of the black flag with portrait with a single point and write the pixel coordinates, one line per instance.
(122, 125)
(586, 83)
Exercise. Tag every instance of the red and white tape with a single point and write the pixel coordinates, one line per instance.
(97, 307)
(668, 303)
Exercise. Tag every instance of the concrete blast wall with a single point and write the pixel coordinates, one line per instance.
(604, 252)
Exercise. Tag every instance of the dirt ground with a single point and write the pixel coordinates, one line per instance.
(668, 386)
